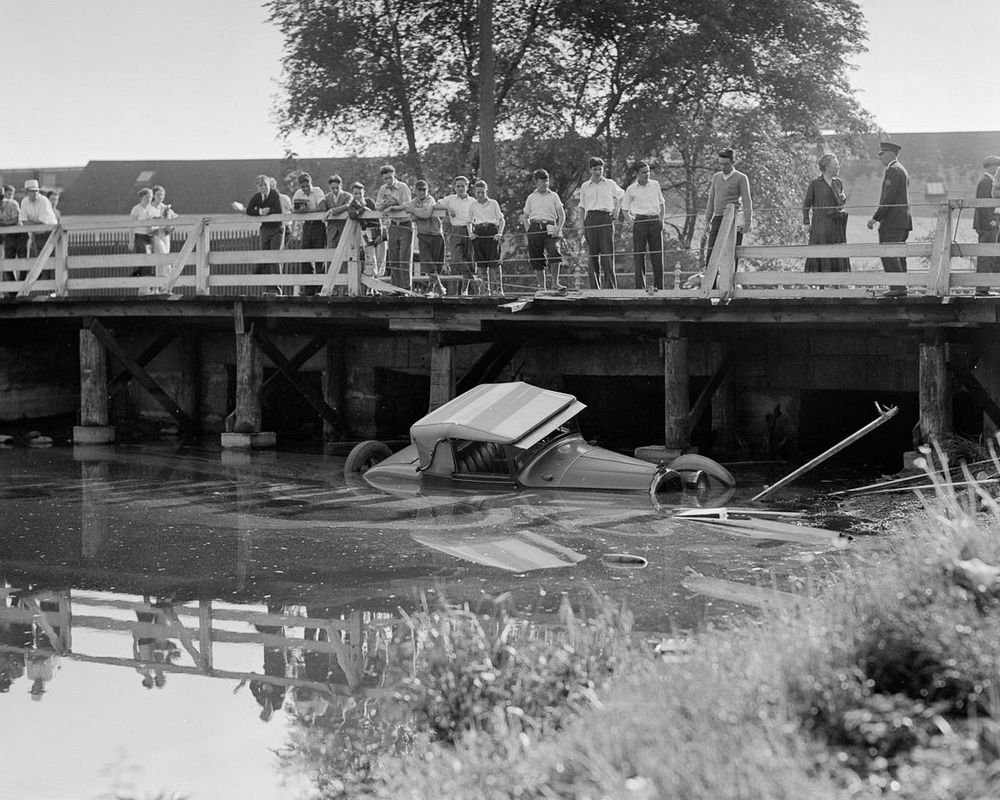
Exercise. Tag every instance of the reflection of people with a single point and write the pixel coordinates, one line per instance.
(13, 634)
(729, 186)
(40, 667)
(153, 650)
(824, 202)
(893, 212)
(985, 221)
(270, 696)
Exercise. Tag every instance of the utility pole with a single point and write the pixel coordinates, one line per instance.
(487, 108)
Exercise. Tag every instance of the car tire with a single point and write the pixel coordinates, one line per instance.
(365, 455)
(693, 462)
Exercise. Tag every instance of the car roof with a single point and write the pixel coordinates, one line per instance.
(508, 413)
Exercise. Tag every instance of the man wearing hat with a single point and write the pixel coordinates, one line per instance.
(893, 212)
(985, 220)
(36, 210)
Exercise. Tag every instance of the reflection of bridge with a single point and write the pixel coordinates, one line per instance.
(330, 657)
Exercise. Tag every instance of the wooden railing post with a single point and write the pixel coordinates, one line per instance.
(939, 270)
(202, 269)
(62, 256)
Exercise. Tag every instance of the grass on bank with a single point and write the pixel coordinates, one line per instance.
(882, 685)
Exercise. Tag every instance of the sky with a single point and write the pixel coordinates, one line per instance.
(199, 79)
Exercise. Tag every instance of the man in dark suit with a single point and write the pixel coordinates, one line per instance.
(985, 220)
(893, 212)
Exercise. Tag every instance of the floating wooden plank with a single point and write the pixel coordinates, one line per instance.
(777, 531)
(735, 592)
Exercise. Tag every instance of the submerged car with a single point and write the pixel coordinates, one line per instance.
(514, 435)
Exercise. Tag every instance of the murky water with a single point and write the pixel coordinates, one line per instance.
(173, 617)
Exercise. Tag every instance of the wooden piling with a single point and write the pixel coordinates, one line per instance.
(676, 398)
(93, 427)
(935, 389)
(442, 372)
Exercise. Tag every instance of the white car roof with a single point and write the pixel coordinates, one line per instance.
(514, 413)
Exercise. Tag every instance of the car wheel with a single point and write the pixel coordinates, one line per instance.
(365, 455)
(693, 462)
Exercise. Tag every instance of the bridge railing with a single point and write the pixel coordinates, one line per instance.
(205, 264)
(733, 272)
(220, 255)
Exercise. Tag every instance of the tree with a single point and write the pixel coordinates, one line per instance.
(625, 78)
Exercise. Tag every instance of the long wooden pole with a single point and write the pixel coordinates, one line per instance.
(487, 99)
(883, 417)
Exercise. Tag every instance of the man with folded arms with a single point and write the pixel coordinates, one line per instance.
(430, 239)
(394, 196)
(644, 205)
(459, 208)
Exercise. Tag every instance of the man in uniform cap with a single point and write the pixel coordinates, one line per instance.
(985, 220)
(893, 212)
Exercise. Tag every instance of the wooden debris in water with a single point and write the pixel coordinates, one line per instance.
(777, 530)
(735, 592)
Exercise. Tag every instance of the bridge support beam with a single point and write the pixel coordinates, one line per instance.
(442, 372)
(935, 389)
(93, 427)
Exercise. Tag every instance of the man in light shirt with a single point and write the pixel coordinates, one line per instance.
(36, 210)
(729, 187)
(644, 205)
(459, 208)
(486, 225)
(543, 219)
(394, 196)
(306, 200)
(600, 202)
(430, 239)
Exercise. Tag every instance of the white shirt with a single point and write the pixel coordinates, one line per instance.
(141, 212)
(37, 212)
(543, 206)
(486, 212)
(600, 196)
(459, 209)
(313, 199)
(646, 199)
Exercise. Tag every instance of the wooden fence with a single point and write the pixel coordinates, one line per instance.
(219, 255)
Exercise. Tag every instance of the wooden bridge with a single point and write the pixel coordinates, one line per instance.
(746, 292)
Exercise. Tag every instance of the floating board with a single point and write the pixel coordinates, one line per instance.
(776, 530)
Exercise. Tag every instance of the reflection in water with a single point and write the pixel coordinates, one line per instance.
(274, 577)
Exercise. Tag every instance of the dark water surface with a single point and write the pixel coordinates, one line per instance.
(174, 616)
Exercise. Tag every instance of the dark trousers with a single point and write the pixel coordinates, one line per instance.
(600, 236)
(713, 234)
(397, 257)
(541, 246)
(893, 263)
(15, 245)
(430, 247)
(270, 240)
(647, 234)
(460, 250)
(142, 244)
(987, 264)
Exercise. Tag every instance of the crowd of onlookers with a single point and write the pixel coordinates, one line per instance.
(465, 227)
